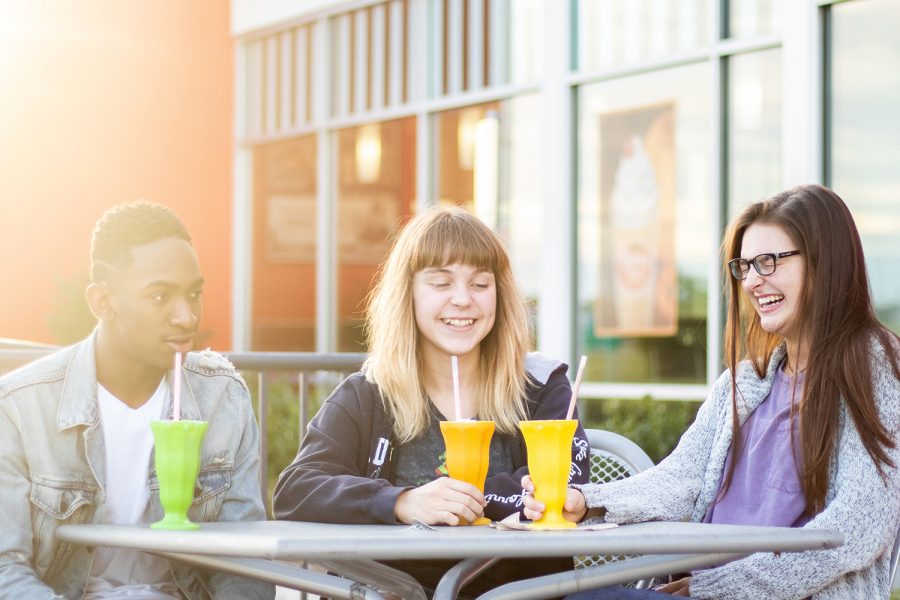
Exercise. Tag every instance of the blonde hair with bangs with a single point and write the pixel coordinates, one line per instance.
(435, 238)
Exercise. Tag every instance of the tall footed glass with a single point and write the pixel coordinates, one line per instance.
(549, 445)
(468, 446)
(177, 460)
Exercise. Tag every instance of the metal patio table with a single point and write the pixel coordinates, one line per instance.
(252, 548)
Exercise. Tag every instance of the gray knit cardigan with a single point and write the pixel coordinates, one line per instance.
(858, 503)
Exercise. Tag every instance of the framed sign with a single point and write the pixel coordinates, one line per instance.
(291, 226)
(366, 223)
(637, 279)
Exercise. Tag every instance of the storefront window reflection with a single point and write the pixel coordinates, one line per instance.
(865, 137)
(488, 159)
(754, 128)
(284, 246)
(747, 18)
(643, 226)
(376, 187)
(613, 33)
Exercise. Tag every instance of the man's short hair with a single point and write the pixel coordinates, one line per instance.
(127, 226)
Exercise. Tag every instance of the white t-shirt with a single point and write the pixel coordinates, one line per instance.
(116, 572)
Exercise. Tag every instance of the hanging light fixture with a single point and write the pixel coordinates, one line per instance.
(368, 153)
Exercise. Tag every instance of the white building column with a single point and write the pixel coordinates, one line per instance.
(242, 243)
(326, 245)
(802, 98)
(556, 303)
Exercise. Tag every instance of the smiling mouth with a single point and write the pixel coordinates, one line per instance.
(181, 344)
(770, 300)
(458, 322)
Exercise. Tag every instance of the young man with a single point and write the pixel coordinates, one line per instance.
(75, 442)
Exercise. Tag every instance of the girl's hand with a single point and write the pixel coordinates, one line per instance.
(680, 587)
(573, 510)
(443, 501)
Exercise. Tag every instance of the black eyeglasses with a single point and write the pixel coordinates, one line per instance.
(763, 263)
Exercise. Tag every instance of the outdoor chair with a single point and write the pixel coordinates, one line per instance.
(613, 457)
(895, 555)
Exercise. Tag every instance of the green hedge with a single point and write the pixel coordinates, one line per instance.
(654, 425)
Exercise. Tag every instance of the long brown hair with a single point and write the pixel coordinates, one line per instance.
(437, 237)
(838, 325)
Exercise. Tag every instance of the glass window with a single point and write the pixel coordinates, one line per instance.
(526, 45)
(747, 18)
(488, 159)
(284, 246)
(488, 43)
(467, 158)
(865, 137)
(613, 33)
(376, 189)
(643, 226)
(754, 128)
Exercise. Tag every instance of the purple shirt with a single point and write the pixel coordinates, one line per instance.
(765, 489)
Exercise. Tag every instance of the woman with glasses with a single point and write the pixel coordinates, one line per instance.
(801, 429)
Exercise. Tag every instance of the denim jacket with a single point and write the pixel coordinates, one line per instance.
(53, 466)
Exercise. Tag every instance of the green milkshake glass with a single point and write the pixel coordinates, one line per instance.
(177, 460)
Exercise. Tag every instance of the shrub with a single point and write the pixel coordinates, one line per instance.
(654, 425)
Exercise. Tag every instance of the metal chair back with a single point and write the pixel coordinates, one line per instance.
(613, 457)
(895, 556)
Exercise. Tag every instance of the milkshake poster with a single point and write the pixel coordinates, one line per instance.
(638, 280)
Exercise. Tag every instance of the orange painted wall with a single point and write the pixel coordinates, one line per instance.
(102, 102)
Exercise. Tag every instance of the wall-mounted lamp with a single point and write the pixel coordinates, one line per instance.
(465, 137)
(368, 152)
(486, 176)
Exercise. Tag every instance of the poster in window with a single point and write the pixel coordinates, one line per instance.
(366, 224)
(291, 228)
(637, 279)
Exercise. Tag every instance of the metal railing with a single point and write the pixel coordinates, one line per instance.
(304, 364)
(324, 370)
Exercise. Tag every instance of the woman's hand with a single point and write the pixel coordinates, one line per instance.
(573, 510)
(680, 587)
(443, 501)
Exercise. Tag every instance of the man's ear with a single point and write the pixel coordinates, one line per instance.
(98, 300)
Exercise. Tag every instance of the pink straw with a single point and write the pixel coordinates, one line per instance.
(575, 387)
(454, 364)
(176, 389)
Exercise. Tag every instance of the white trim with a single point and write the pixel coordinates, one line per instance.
(378, 53)
(341, 79)
(418, 52)
(476, 45)
(326, 290)
(253, 79)
(454, 46)
(714, 325)
(743, 46)
(674, 60)
(556, 300)
(361, 61)
(271, 84)
(326, 244)
(802, 94)
(301, 74)
(241, 246)
(395, 61)
(435, 52)
(299, 16)
(482, 96)
(498, 43)
(285, 121)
